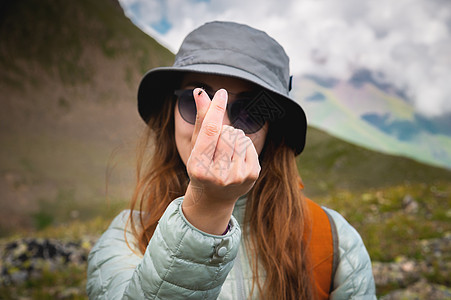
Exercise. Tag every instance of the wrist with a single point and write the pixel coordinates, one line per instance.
(208, 200)
(209, 216)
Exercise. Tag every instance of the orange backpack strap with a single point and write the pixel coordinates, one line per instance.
(336, 258)
(323, 245)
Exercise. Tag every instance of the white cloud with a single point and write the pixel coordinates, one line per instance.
(409, 41)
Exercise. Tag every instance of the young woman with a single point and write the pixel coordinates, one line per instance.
(218, 210)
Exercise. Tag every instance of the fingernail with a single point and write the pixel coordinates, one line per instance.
(222, 93)
(198, 91)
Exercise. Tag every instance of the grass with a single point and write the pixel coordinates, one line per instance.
(386, 227)
(391, 233)
(68, 283)
(65, 208)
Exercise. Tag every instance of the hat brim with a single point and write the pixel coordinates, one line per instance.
(158, 83)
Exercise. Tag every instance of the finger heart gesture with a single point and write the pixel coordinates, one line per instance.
(223, 164)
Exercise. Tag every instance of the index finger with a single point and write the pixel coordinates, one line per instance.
(202, 104)
(212, 124)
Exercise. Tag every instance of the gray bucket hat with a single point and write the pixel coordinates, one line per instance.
(236, 50)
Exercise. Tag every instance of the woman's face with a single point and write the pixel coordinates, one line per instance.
(212, 83)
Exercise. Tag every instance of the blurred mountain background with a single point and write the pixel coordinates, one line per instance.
(375, 115)
(69, 73)
(68, 78)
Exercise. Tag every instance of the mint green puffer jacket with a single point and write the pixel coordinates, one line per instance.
(181, 262)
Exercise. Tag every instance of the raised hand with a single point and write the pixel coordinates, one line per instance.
(223, 165)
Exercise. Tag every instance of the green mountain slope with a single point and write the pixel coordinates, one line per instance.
(62, 38)
(329, 164)
(68, 78)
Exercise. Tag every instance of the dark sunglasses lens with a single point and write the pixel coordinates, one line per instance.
(240, 113)
(187, 106)
(242, 116)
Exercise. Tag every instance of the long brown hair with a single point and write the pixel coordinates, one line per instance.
(275, 214)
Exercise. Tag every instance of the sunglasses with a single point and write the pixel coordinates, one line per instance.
(241, 112)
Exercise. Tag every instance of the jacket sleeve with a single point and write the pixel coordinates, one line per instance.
(353, 278)
(181, 262)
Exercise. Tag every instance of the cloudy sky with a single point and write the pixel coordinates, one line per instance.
(406, 42)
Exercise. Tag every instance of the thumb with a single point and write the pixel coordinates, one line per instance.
(202, 104)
